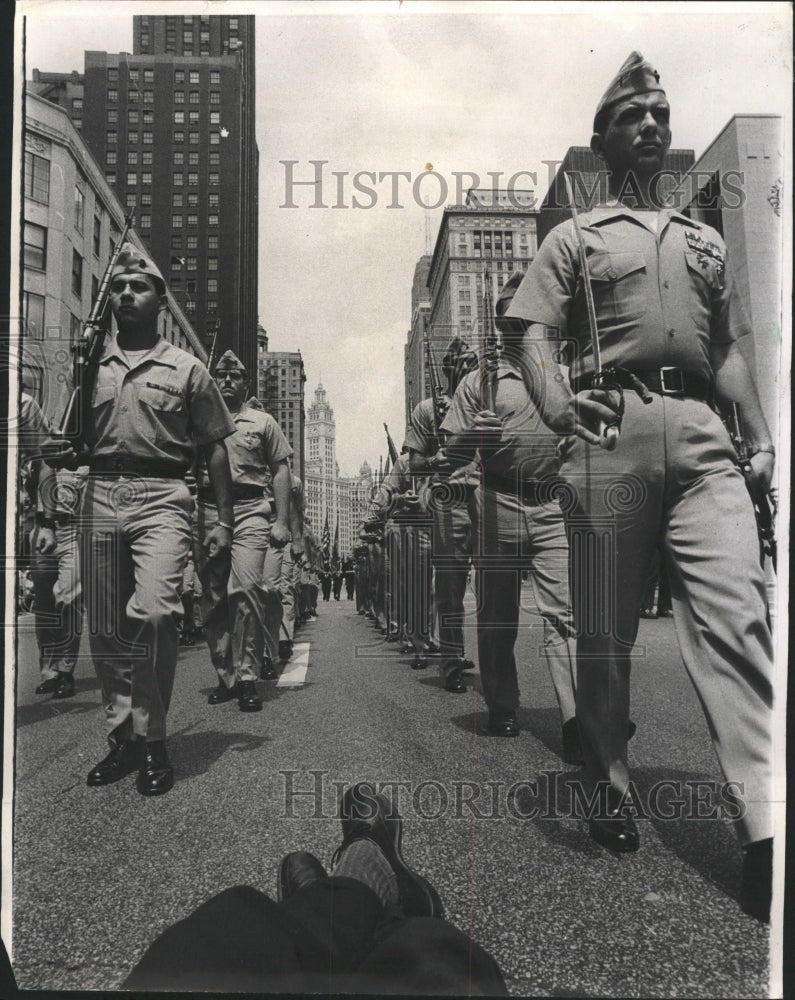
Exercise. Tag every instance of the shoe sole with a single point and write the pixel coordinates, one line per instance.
(250, 708)
(610, 842)
(151, 793)
(109, 781)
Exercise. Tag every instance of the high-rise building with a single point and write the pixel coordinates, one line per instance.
(173, 128)
(417, 383)
(64, 89)
(280, 389)
(589, 183)
(72, 222)
(353, 499)
(320, 480)
(493, 227)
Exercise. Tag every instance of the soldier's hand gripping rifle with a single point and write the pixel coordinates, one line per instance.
(87, 352)
(436, 390)
(490, 350)
(764, 501)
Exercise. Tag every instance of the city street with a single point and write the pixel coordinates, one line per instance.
(99, 872)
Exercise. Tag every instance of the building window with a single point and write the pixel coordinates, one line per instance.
(212, 285)
(187, 38)
(215, 139)
(212, 242)
(146, 177)
(77, 273)
(149, 97)
(112, 116)
(193, 98)
(193, 199)
(193, 117)
(149, 76)
(132, 157)
(214, 179)
(212, 307)
(178, 178)
(132, 138)
(77, 104)
(179, 96)
(111, 138)
(131, 200)
(215, 97)
(215, 77)
(176, 221)
(176, 199)
(193, 159)
(215, 117)
(212, 220)
(193, 220)
(37, 178)
(97, 227)
(132, 178)
(133, 96)
(179, 136)
(113, 74)
(80, 209)
(215, 159)
(190, 286)
(133, 74)
(233, 24)
(179, 157)
(193, 138)
(78, 123)
(192, 242)
(204, 39)
(176, 241)
(110, 176)
(33, 311)
(132, 116)
(146, 222)
(148, 139)
(144, 40)
(179, 117)
(190, 264)
(193, 178)
(213, 200)
(190, 307)
(146, 199)
(113, 95)
(194, 76)
(179, 76)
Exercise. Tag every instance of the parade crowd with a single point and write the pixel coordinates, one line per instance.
(575, 483)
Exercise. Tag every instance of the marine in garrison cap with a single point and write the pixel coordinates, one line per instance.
(229, 361)
(636, 76)
(132, 261)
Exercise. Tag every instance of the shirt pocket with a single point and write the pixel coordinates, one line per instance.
(618, 285)
(162, 412)
(705, 280)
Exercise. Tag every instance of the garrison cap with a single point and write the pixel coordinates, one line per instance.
(504, 299)
(230, 361)
(636, 76)
(133, 261)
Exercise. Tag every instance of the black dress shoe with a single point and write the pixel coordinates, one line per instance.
(757, 882)
(454, 683)
(48, 686)
(570, 737)
(65, 688)
(268, 672)
(419, 662)
(123, 759)
(222, 694)
(467, 665)
(297, 871)
(285, 651)
(614, 830)
(366, 815)
(156, 776)
(502, 724)
(247, 698)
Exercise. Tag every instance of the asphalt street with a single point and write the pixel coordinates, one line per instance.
(99, 872)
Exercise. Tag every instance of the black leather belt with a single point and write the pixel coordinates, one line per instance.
(240, 491)
(665, 381)
(128, 465)
(528, 492)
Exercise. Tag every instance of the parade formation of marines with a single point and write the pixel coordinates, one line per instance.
(492, 489)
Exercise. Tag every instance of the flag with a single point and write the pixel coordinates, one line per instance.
(325, 543)
(335, 552)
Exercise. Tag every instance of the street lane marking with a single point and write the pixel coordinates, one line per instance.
(294, 673)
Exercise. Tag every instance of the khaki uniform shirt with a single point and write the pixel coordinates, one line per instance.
(662, 298)
(420, 437)
(161, 408)
(257, 443)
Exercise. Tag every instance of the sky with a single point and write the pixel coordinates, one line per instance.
(427, 86)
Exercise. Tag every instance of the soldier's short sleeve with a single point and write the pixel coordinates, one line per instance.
(277, 447)
(729, 318)
(210, 419)
(419, 435)
(464, 406)
(547, 290)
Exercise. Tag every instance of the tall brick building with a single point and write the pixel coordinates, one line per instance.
(173, 127)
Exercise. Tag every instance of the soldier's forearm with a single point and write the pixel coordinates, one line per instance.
(282, 490)
(545, 382)
(734, 384)
(220, 479)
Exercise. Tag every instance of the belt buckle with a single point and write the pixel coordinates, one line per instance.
(676, 384)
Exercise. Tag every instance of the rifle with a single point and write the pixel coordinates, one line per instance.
(765, 502)
(393, 452)
(490, 354)
(87, 352)
(211, 357)
(435, 388)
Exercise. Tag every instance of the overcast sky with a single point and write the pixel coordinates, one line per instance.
(396, 87)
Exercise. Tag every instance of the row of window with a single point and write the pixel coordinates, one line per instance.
(192, 76)
(191, 241)
(191, 285)
(147, 138)
(148, 117)
(191, 200)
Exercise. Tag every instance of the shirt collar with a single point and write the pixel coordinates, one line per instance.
(614, 210)
(160, 352)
